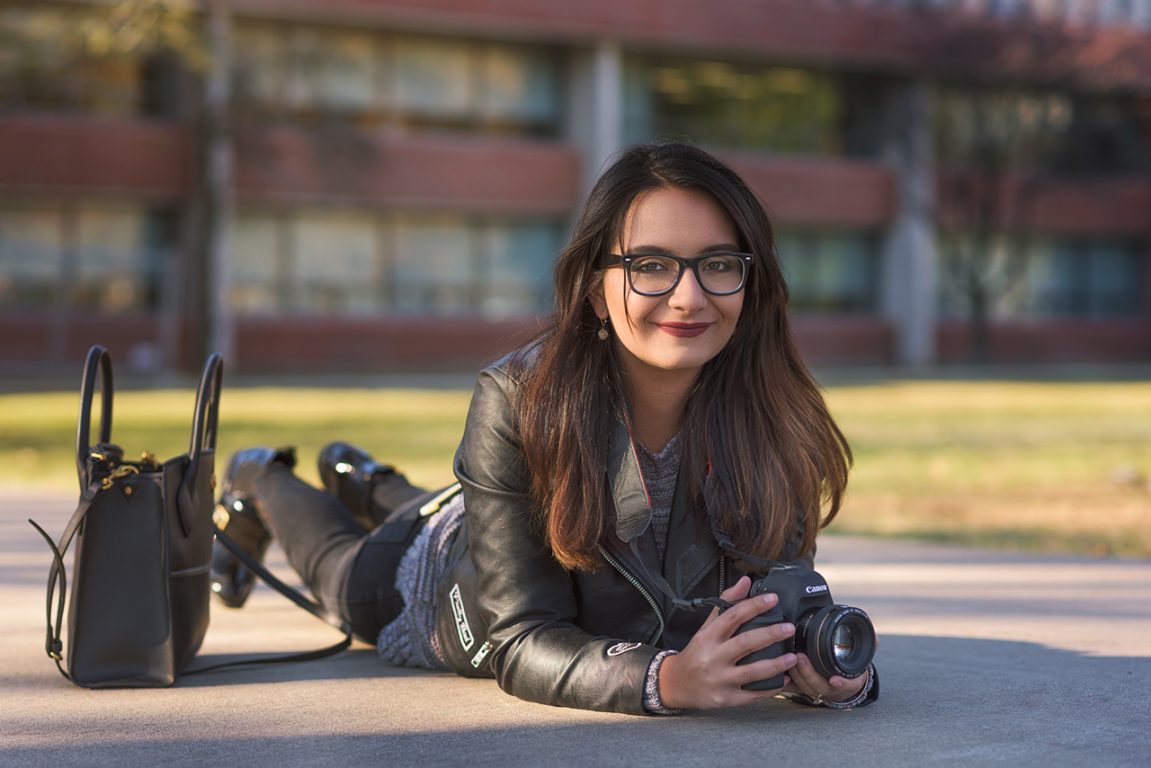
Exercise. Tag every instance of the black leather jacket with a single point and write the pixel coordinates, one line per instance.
(577, 639)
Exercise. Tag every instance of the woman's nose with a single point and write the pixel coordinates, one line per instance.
(688, 294)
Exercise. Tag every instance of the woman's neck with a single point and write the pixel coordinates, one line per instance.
(657, 406)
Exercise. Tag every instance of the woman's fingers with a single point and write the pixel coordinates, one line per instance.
(728, 623)
(738, 590)
(806, 680)
(743, 644)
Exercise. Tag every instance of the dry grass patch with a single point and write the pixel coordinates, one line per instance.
(1046, 466)
(1042, 466)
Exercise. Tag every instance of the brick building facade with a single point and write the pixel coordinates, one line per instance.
(388, 180)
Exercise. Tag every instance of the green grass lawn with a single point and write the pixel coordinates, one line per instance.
(1044, 466)
(1040, 466)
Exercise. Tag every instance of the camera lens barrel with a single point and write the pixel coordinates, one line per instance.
(839, 640)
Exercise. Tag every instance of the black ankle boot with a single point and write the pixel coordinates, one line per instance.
(236, 516)
(348, 473)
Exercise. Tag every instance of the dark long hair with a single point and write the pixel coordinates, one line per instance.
(755, 420)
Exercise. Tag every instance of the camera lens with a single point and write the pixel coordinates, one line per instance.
(843, 642)
(839, 640)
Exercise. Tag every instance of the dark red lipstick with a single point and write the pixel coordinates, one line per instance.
(684, 330)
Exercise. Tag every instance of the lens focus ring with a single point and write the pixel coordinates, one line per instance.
(839, 640)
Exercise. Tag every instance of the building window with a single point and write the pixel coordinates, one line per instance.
(31, 257)
(117, 268)
(402, 81)
(435, 266)
(830, 272)
(1093, 279)
(734, 106)
(347, 264)
(1053, 278)
(103, 258)
(1081, 278)
(518, 258)
(257, 280)
(474, 87)
(262, 69)
(1013, 131)
(335, 73)
(45, 67)
(335, 264)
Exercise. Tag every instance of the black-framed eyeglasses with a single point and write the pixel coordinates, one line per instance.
(721, 273)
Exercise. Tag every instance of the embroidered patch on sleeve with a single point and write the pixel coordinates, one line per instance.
(619, 648)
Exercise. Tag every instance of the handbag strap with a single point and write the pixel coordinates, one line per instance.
(294, 595)
(204, 420)
(99, 363)
(57, 574)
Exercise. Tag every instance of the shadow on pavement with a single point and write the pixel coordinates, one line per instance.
(945, 701)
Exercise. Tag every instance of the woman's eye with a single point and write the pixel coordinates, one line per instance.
(649, 265)
(717, 265)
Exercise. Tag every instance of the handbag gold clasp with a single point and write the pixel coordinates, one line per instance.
(118, 472)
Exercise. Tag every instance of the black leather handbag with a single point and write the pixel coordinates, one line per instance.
(138, 609)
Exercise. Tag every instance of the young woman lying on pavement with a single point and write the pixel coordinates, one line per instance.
(658, 444)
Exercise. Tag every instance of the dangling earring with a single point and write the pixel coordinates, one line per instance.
(602, 333)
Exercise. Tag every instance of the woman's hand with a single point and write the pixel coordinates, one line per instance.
(705, 675)
(805, 680)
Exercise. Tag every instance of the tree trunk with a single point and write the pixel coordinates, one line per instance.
(217, 190)
(980, 324)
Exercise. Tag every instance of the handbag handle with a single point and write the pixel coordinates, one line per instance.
(99, 363)
(204, 421)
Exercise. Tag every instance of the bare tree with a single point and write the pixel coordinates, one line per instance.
(1007, 127)
(997, 148)
(51, 44)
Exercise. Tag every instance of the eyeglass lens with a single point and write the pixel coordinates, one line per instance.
(654, 274)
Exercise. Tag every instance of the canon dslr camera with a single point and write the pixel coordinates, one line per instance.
(839, 639)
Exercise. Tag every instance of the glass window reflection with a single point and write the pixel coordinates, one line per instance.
(733, 105)
(830, 272)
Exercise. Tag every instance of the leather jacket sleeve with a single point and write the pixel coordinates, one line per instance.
(526, 598)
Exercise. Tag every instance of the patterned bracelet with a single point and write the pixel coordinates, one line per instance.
(651, 700)
(851, 703)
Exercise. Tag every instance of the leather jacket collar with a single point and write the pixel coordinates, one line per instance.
(691, 553)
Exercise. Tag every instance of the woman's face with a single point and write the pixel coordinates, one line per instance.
(683, 329)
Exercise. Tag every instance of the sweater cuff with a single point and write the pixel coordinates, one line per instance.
(651, 700)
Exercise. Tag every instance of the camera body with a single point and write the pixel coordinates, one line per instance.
(839, 639)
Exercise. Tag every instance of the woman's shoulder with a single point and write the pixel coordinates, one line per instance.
(511, 369)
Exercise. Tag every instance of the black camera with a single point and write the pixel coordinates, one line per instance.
(839, 639)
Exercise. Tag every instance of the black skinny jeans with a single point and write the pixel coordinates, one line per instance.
(349, 569)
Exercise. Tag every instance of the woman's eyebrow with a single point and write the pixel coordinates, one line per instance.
(658, 250)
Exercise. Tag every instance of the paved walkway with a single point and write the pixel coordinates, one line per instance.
(985, 659)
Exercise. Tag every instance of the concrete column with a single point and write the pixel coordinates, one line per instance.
(910, 269)
(597, 107)
(1141, 13)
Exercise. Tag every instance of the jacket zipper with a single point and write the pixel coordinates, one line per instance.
(635, 583)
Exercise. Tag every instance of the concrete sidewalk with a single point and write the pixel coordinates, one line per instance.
(985, 659)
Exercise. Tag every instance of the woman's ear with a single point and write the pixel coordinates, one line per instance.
(595, 296)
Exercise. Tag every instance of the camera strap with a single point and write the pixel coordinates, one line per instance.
(675, 595)
(727, 545)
